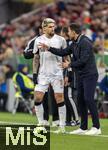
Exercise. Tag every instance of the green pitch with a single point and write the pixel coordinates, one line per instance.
(64, 142)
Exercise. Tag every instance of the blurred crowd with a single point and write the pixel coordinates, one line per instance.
(91, 14)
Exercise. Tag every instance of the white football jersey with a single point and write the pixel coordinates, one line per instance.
(49, 63)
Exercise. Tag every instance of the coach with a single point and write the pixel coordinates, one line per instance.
(83, 62)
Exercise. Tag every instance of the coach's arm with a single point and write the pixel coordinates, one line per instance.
(61, 52)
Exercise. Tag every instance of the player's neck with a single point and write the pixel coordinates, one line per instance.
(49, 36)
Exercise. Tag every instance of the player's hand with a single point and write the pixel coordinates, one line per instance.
(43, 46)
(65, 64)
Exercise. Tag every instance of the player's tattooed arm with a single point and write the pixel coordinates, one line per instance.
(36, 63)
(35, 68)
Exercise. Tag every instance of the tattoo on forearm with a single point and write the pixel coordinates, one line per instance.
(36, 63)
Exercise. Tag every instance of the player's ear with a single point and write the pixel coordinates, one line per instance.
(44, 29)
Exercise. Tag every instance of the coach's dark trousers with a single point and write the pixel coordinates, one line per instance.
(86, 90)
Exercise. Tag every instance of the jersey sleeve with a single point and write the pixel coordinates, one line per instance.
(30, 45)
(35, 48)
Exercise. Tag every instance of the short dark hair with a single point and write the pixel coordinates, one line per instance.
(65, 29)
(58, 30)
(75, 27)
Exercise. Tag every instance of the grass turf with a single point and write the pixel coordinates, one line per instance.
(65, 142)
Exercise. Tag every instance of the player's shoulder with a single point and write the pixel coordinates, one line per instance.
(31, 42)
(40, 37)
(59, 37)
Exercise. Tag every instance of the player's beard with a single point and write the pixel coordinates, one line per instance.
(51, 34)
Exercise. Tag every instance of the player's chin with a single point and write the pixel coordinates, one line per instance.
(52, 34)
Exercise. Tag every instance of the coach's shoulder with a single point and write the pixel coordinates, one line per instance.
(84, 39)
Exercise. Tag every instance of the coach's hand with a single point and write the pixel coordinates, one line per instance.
(35, 78)
(66, 81)
(65, 64)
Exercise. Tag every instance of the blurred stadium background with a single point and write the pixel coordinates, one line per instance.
(19, 21)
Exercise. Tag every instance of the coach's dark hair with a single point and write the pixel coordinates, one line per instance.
(75, 27)
(58, 30)
(65, 30)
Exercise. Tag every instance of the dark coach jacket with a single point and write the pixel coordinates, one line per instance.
(83, 60)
